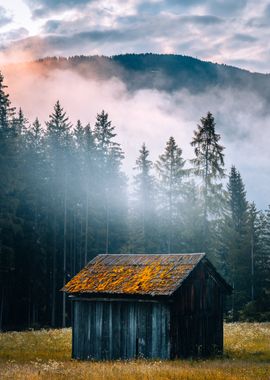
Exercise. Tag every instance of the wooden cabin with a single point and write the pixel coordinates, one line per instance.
(152, 306)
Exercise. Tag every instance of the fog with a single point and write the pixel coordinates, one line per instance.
(152, 116)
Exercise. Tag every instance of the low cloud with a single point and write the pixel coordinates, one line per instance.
(152, 116)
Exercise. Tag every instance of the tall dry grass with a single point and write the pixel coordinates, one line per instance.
(46, 354)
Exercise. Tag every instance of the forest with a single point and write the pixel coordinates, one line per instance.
(64, 198)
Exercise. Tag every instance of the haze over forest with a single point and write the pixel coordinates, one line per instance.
(195, 132)
(151, 97)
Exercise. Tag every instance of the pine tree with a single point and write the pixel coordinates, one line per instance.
(238, 242)
(58, 126)
(36, 133)
(6, 110)
(258, 308)
(8, 196)
(192, 215)
(143, 226)
(171, 172)
(208, 165)
(79, 133)
(262, 262)
(20, 123)
(111, 180)
(8, 142)
(59, 141)
(252, 221)
(86, 153)
(32, 201)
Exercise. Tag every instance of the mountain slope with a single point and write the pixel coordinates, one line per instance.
(163, 72)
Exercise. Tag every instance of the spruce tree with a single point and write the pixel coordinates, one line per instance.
(111, 180)
(86, 157)
(192, 215)
(171, 172)
(9, 183)
(262, 265)
(208, 165)
(59, 142)
(258, 308)
(238, 242)
(143, 226)
(20, 123)
(252, 221)
(6, 110)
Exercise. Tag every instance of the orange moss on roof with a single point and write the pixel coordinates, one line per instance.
(144, 274)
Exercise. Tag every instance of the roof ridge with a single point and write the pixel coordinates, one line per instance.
(150, 254)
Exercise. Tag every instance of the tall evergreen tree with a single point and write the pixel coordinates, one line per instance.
(258, 308)
(20, 123)
(143, 226)
(59, 140)
(87, 175)
(262, 262)
(208, 165)
(112, 181)
(31, 257)
(252, 223)
(237, 242)
(6, 110)
(192, 214)
(170, 169)
(8, 198)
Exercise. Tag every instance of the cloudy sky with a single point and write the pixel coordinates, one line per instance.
(235, 32)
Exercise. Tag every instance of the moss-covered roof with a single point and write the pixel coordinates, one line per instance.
(153, 274)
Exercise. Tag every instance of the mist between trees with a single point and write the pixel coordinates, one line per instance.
(64, 198)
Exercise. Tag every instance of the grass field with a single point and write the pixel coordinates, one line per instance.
(46, 354)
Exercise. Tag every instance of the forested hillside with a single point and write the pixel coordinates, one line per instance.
(166, 72)
(64, 198)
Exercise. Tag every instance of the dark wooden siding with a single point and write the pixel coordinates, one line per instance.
(197, 316)
(114, 329)
(187, 323)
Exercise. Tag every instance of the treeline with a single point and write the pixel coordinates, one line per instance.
(64, 199)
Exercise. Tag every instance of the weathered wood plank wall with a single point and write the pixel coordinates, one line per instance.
(105, 330)
(197, 317)
(187, 323)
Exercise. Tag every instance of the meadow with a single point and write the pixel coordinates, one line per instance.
(46, 354)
